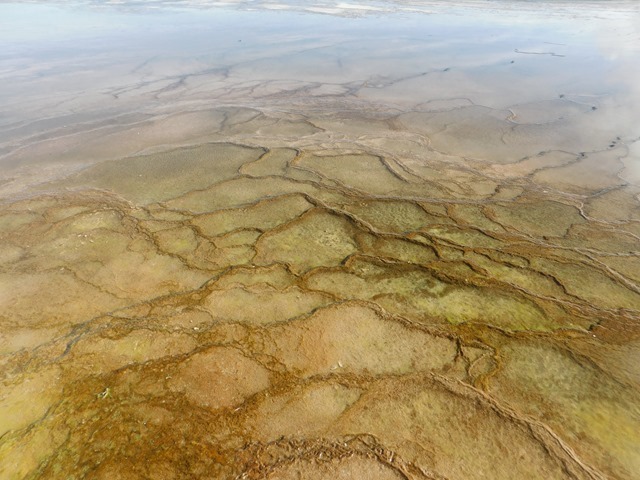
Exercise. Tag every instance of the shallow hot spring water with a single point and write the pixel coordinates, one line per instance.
(259, 240)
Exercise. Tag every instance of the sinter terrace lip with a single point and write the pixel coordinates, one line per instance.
(392, 240)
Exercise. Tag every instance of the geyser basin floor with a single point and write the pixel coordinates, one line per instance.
(385, 248)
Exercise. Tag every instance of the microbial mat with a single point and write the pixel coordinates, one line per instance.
(320, 240)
